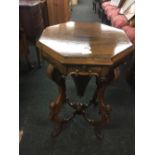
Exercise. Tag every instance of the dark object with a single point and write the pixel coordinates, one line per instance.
(130, 76)
(33, 19)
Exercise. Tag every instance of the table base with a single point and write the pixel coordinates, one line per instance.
(79, 108)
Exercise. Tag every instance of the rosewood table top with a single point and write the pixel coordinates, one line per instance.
(84, 43)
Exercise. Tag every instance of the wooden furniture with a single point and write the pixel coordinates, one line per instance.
(33, 19)
(83, 50)
(58, 11)
(74, 2)
(23, 47)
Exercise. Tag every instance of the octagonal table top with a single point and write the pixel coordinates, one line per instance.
(84, 43)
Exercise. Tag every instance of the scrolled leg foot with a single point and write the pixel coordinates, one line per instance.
(98, 130)
(57, 130)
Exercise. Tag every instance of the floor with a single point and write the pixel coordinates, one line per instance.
(78, 138)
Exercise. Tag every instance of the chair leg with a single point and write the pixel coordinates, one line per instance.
(24, 48)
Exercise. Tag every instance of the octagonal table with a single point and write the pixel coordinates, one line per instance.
(83, 50)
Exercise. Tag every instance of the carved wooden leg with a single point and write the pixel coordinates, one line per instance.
(104, 109)
(57, 77)
(104, 117)
(94, 99)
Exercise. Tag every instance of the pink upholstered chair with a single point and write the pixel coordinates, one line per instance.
(104, 4)
(119, 21)
(112, 8)
(112, 13)
(109, 8)
(112, 4)
(130, 31)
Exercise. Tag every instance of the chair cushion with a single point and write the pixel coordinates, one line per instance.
(109, 8)
(113, 13)
(104, 4)
(106, 8)
(130, 31)
(119, 21)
